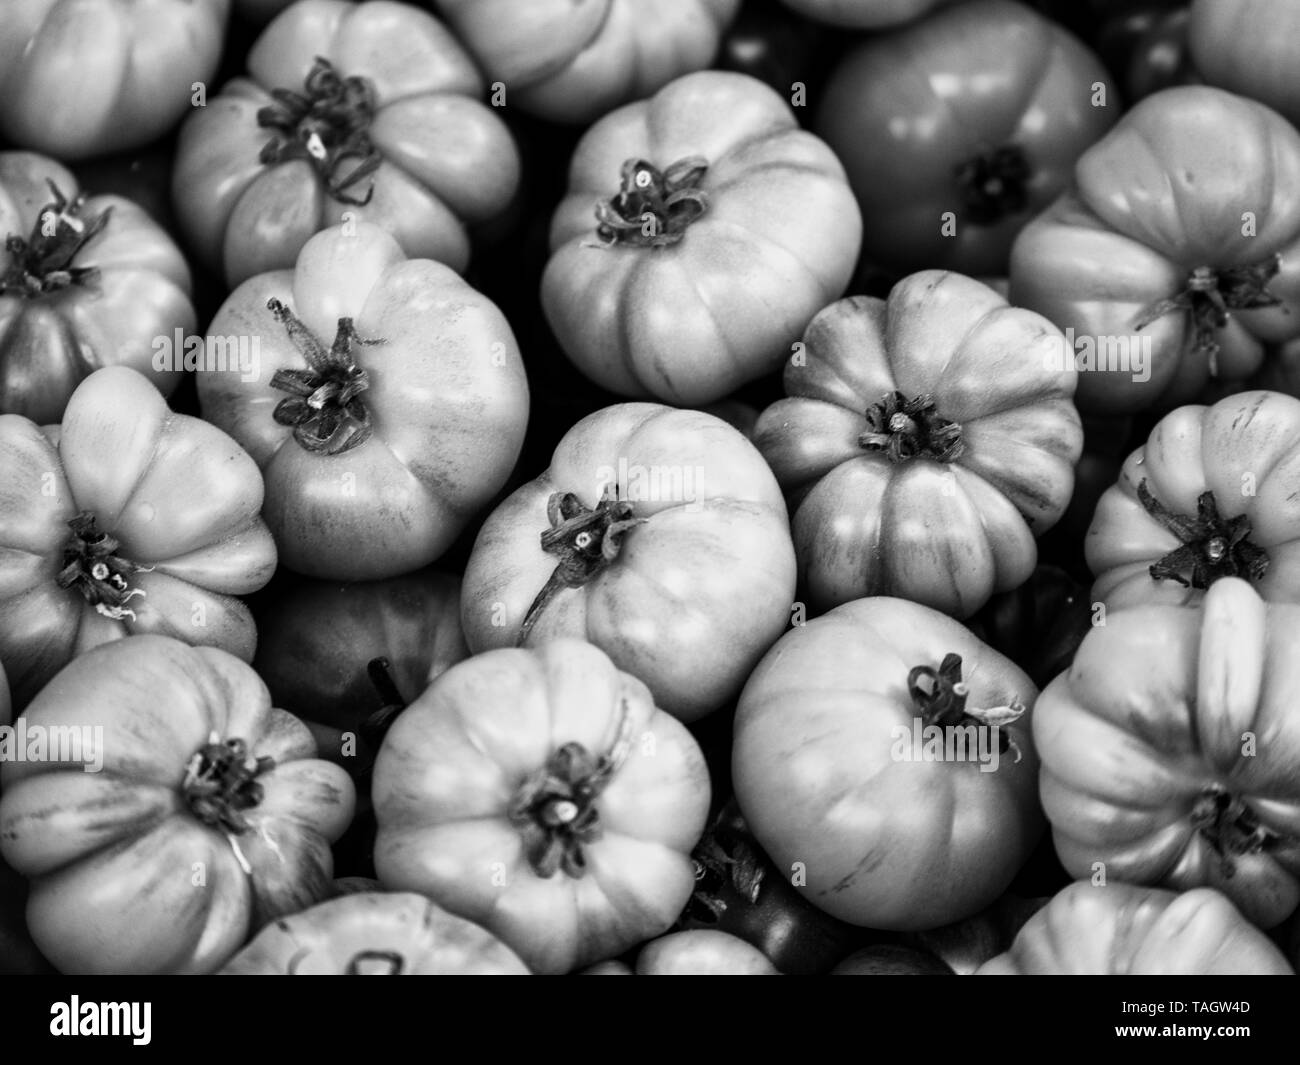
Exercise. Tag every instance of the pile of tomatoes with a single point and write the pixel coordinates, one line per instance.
(592, 486)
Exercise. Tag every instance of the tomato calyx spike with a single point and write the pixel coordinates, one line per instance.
(1211, 546)
(941, 697)
(994, 184)
(585, 540)
(1231, 827)
(906, 428)
(653, 208)
(325, 404)
(328, 126)
(221, 781)
(363, 963)
(554, 807)
(42, 263)
(1209, 297)
(375, 727)
(725, 858)
(92, 566)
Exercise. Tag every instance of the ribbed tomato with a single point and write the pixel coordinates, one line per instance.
(1248, 47)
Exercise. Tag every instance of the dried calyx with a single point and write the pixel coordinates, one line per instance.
(42, 263)
(910, 428)
(653, 208)
(941, 698)
(995, 184)
(221, 782)
(1211, 546)
(1231, 827)
(92, 566)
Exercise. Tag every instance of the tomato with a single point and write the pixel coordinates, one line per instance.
(702, 952)
(1211, 494)
(926, 440)
(369, 934)
(209, 818)
(126, 519)
(85, 77)
(889, 959)
(542, 794)
(260, 11)
(865, 14)
(84, 283)
(316, 640)
(966, 945)
(1161, 58)
(657, 534)
(1178, 256)
(720, 228)
(573, 60)
(6, 700)
(1248, 47)
(607, 968)
(368, 113)
(739, 891)
(1169, 750)
(18, 954)
(1122, 930)
(770, 42)
(955, 131)
(886, 751)
(417, 411)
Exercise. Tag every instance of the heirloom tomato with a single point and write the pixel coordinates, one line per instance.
(1169, 750)
(85, 77)
(882, 755)
(543, 795)
(702, 952)
(372, 934)
(1248, 47)
(1176, 257)
(1210, 494)
(865, 14)
(956, 130)
(1122, 930)
(573, 60)
(125, 519)
(657, 534)
(927, 440)
(701, 230)
(84, 283)
(386, 406)
(189, 814)
(350, 112)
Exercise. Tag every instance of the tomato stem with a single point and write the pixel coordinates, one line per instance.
(92, 566)
(995, 184)
(941, 698)
(907, 428)
(1212, 546)
(42, 263)
(327, 125)
(376, 726)
(1231, 827)
(220, 782)
(360, 964)
(653, 208)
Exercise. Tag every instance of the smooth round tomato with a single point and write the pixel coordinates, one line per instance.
(719, 229)
(542, 794)
(882, 754)
(362, 112)
(702, 952)
(927, 440)
(573, 60)
(188, 814)
(1169, 750)
(125, 519)
(1177, 256)
(658, 535)
(1248, 47)
(865, 14)
(85, 282)
(317, 639)
(386, 405)
(1211, 494)
(1123, 930)
(86, 77)
(958, 129)
(370, 934)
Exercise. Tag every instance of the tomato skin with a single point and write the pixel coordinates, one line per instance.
(777, 240)
(111, 854)
(85, 77)
(18, 954)
(446, 392)
(448, 161)
(50, 342)
(945, 532)
(1145, 767)
(6, 700)
(892, 960)
(400, 935)
(908, 109)
(817, 776)
(453, 762)
(1247, 47)
(702, 952)
(260, 11)
(573, 60)
(1103, 258)
(1194, 449)
(696, 594)
(865, 14)
(181, 498)
(1122, 930)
